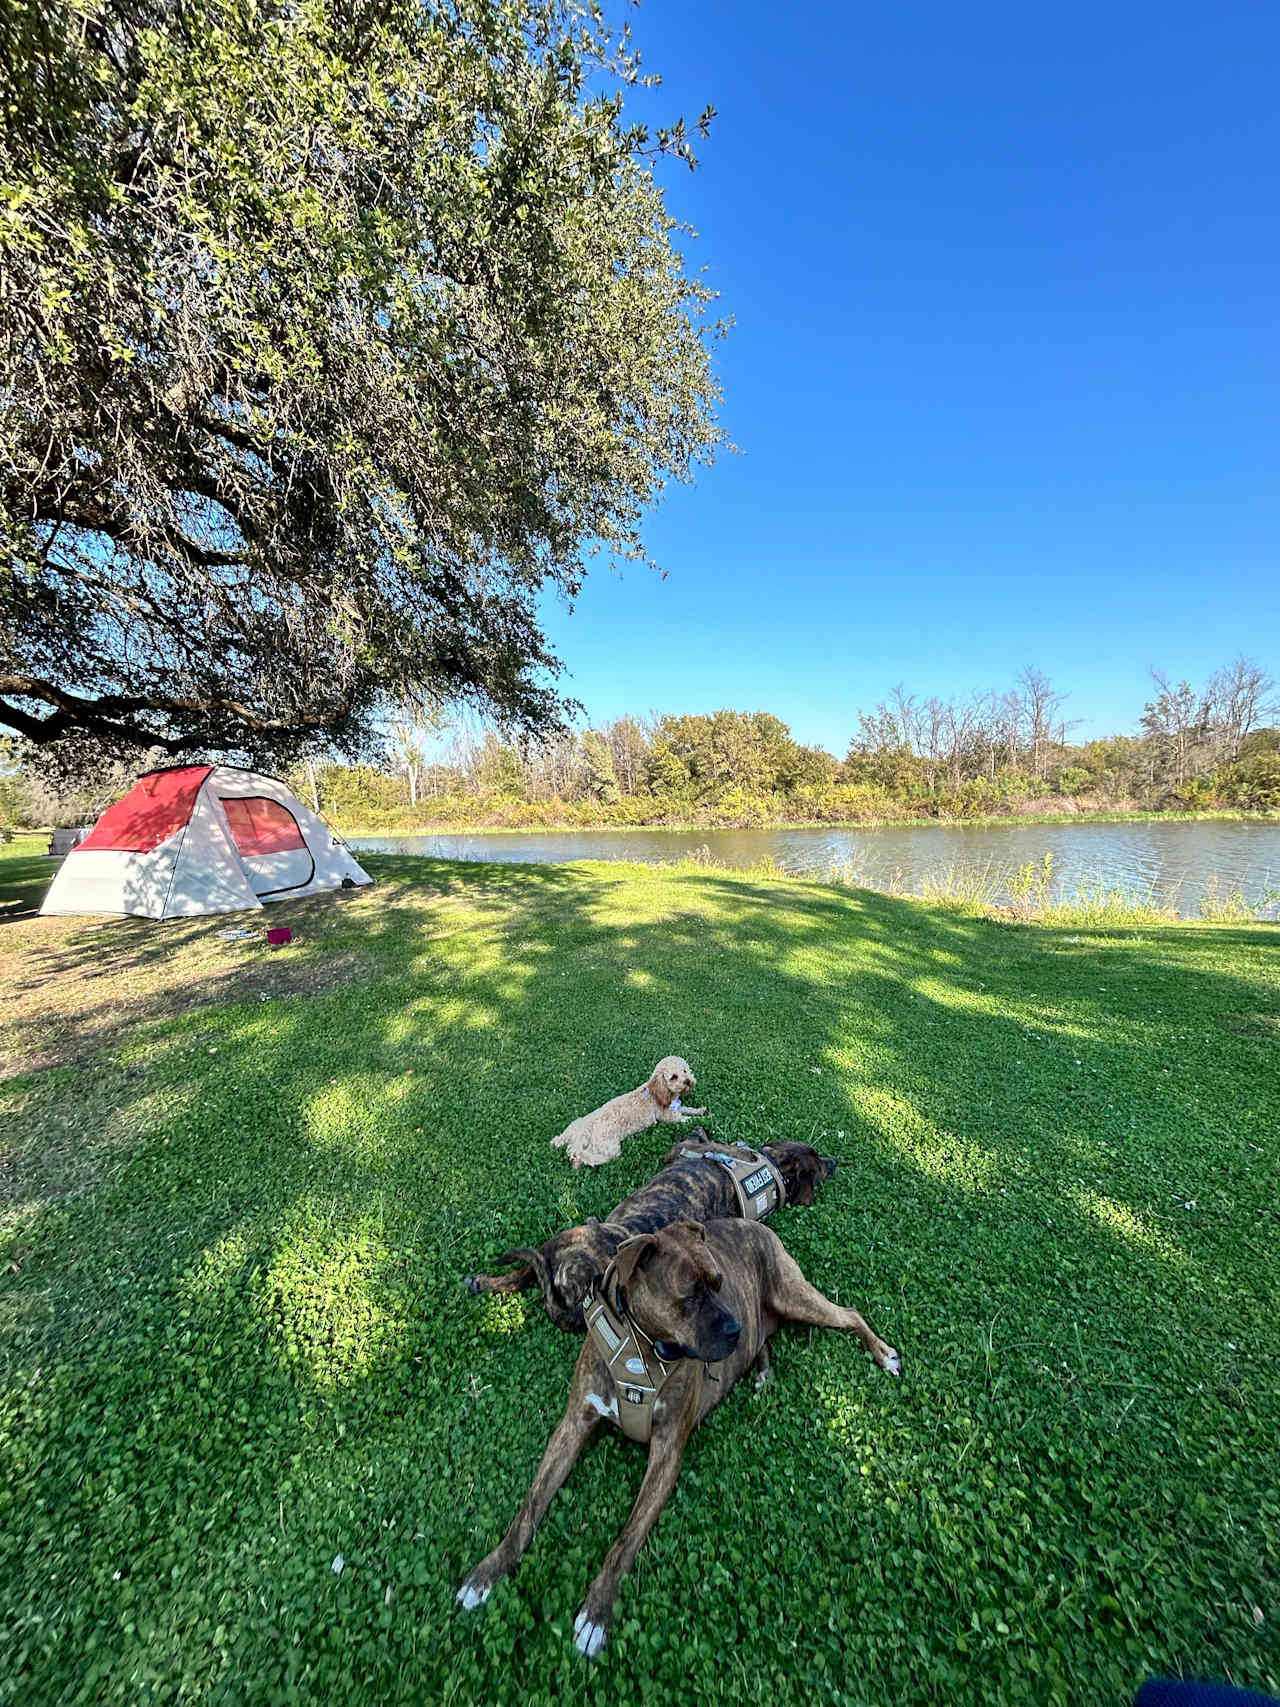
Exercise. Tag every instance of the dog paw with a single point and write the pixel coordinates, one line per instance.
(889, 1361)
(588, 1637)
(763, 1379)
(472, 1284)
(471, 1595)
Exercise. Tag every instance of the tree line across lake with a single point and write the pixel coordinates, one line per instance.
(911, 757)
(993, 755)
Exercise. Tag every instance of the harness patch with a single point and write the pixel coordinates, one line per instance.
(757, 1182)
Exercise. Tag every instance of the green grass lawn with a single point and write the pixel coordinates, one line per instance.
(238, 1192)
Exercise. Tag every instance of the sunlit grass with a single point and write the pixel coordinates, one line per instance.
(235, 1346)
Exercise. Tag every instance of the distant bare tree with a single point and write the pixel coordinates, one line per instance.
(552, 765)
(1038, 703)
(957, 731)
(932, 737)
(990, 734)
(1238, 702)
(412, 732)
(1175, 721)
(1009, 717)
(893, 726)
(463, 753)
(909, 719)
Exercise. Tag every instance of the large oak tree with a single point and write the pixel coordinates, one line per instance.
(330, 335)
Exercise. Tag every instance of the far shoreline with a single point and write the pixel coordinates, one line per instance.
(779, 824)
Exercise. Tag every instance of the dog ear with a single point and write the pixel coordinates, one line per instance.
(659, 1089)
(629, 1253)
(806, 1181)
(695, 1228)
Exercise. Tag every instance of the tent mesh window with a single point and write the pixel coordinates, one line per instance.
(261, 826)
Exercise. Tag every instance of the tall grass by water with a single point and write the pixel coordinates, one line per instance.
(1029, 891)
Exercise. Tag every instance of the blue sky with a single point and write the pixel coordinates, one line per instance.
(1004, 373)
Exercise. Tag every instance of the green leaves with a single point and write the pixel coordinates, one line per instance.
(336, 341)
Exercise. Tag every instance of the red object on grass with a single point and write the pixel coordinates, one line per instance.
(261, 826)
(157, 807)
(278, 935)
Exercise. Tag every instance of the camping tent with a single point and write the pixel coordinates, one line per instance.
(201, 839)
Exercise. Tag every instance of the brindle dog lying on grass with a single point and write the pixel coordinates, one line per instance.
(700, 1296)
(688, 1186)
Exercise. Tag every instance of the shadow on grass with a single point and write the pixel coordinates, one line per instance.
(72, 985)
(1057, 1198)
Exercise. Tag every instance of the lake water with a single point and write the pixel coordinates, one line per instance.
(1174, 863)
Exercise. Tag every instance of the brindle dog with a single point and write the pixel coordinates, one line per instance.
(703, 1296)
(568, 1264)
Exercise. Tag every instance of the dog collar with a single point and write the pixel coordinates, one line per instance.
(757, 1182)
(675, 1101)
(637, 1371)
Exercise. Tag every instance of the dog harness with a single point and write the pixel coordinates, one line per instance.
(757, 1182)
(637, 1372)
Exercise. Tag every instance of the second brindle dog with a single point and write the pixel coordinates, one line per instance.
(690, 1187)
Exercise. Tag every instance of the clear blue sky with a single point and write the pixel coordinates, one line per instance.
(1005, 370)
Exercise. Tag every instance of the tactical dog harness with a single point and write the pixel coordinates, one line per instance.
(757, 1182)
(637, 1372)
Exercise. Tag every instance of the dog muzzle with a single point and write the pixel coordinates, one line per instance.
(757, 1182)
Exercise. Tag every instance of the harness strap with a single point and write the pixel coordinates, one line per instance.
(758, 1184)
(637, 1372)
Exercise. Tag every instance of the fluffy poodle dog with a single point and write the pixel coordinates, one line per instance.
(596, 1138)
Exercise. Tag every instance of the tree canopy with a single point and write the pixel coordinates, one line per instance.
(331, 336)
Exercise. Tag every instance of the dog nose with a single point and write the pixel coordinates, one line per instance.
(829, 1162)
(732, 1329)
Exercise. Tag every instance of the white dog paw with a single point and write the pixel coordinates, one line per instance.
(763, 1379)
(469, 1597)
(588, 1638)
(892, 1364)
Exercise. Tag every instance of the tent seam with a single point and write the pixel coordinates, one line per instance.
(182, 842)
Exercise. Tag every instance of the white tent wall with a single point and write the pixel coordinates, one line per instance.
(210, 875)
(107, 880)
(333, 861)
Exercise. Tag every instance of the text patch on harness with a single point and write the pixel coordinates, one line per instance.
(757, 1182)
